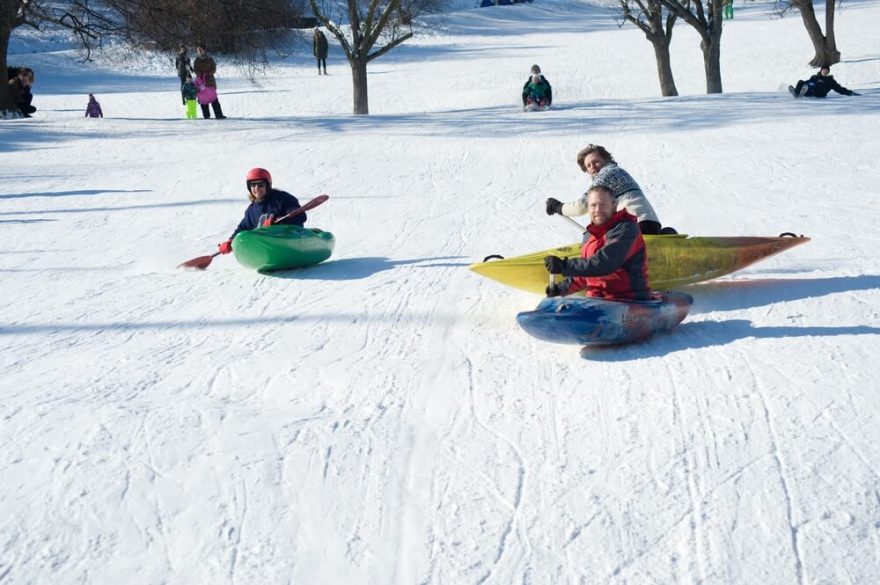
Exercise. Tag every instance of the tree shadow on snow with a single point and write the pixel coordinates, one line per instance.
(603, 115)
(169, 204)
(25, 220)
(360, 268)
(71, 193)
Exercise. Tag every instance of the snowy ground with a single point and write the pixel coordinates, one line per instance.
(380, 418)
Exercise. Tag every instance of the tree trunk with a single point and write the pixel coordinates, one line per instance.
(832, 55)
(359, 83)
(7, 105)
(664, 68)
(824, 46)
(712, 64)
(705, 17)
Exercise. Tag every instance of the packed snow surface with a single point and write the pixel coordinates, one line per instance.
(380, 418)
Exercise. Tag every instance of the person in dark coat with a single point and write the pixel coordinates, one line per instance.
(319, 49)
(184, 68)
(545, 86)
(819, 86)
(267, 205)
(93, 109)
(614, 260)
(20, 86)
(205, 66)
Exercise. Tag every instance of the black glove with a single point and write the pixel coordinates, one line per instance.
(554, 206)
(554, 264)
(555, 290)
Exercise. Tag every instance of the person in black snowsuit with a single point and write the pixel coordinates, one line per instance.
(184, 68)
(267, 205)
(819, 86)
(548, 91)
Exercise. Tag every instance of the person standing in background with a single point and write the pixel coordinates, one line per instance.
(205, 66)
(184, 68)
(319, 49)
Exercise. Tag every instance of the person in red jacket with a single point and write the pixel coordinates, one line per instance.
(613, 262)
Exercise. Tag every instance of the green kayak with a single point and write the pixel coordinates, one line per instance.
(281, 247)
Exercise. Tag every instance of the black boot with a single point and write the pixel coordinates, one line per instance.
(218, 111)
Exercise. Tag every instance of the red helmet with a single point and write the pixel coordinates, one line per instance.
(257, 174)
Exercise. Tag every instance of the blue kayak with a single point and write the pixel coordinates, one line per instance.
(592, 321)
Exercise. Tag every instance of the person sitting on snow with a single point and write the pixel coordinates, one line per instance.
(541, 85)
(601, 166)
(819, 85)
(614, 260)
(537, 92)
(267, 204)
(20, 87)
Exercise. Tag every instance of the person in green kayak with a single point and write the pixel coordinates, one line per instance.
(267, 204)
(614, 260)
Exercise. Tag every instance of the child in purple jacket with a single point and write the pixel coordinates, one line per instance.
(93, 110)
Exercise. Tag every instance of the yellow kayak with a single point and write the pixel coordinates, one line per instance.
(673, 260)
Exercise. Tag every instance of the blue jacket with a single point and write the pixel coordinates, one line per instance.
(276, 203)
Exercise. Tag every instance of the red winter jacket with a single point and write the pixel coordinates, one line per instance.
(613, 262)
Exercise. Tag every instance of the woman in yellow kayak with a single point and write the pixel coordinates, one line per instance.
(601, 166)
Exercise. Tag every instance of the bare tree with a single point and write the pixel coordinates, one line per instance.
(705, 17)
(75, 16)
(825, 45)
(656, 22)
(245, 29)
(375, 27)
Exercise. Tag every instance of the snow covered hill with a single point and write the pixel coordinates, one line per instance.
(380, 418)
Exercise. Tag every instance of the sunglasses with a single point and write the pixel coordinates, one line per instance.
(252, 184)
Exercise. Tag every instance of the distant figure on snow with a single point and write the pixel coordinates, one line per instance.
(602, 168)
(319, 49)
(184, 68)
(728, 9)
(613, 262)
(819, 85)
(267, 204)
(205, 67)
(93, 109)
(190, 93)
(537, 87)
